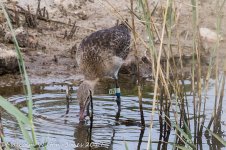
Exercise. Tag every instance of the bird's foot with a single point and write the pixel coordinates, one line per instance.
(118, 101)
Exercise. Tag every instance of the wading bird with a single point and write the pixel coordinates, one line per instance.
(100, 55)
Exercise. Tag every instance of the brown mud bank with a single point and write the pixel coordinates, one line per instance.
(52, 31)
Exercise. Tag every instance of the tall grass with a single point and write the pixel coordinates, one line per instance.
(138, 67)
(25, 122)
(161, 76)
(167, 89)
(169, 94)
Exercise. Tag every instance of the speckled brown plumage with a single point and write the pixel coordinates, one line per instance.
(103, 52)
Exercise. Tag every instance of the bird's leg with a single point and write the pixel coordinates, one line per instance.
(91, 101)
(118, 94)
(87, 110)
(68, 98)
(68, 104)
(117, 115)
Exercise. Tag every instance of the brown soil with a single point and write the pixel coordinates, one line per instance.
(52, 59)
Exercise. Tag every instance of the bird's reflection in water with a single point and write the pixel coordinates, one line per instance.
(83, 138)
(85, 133)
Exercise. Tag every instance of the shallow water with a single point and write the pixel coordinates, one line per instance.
(65, 132)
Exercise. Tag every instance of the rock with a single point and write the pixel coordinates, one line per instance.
(65, 4)
(13, 1)
(2, 24)
(8, 60)
(2, 17)
(24, 39)
(209, 35)
(145, 66)
(82, 15)
(70, 4)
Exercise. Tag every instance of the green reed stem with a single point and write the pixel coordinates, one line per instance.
(195, 26)
(219, 8)
(138, 68)
(157, 77)
(147, 17)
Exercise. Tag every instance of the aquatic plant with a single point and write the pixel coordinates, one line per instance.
(170, 92)
(169, 88)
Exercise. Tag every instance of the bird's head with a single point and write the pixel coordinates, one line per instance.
(84, 95)
(124, 24)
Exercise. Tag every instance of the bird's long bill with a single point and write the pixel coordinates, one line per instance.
(82, 113)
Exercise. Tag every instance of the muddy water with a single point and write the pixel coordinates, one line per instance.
(62, 131)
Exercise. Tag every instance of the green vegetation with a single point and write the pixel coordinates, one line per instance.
(170, 94)
(171, 89)
(25, 122)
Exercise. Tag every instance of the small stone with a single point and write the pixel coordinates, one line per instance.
(82, 15)
(209, 38)
(24, 39)
(2, 17)
(8, 60)
(209, 35)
